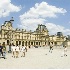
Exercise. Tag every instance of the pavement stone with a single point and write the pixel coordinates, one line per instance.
(37, 58)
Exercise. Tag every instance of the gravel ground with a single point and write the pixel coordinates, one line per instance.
(38, 58)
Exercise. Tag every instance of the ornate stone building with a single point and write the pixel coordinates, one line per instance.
(39, 37)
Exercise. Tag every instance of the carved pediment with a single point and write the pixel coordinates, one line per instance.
(7, 25)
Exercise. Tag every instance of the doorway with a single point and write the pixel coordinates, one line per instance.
(7, 42)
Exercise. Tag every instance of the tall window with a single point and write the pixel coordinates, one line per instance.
(23, 43)
(39, 43)
(19, 42)
(16, 42)
(26, 43)
(45, 43)
(7, 42)
(36, 43)
(19, 36)
(31, 43)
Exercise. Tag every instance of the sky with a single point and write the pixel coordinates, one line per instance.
(27, 14)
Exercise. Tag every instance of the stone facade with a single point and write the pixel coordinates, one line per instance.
(39, 37)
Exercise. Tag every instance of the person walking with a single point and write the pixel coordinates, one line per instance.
(13, 50)
(51, 47)
(7, 48)
(17, 51)
(65, 50)
(1, 50)
(4, 51)
(23, 51)
(10, 48)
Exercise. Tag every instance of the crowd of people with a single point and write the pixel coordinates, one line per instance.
(14, 49)
(65, 49)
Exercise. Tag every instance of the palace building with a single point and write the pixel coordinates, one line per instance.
(39, 37)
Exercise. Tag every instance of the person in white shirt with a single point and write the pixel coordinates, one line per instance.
(23, 51)
(13, 50)
(64, 53)
(17, 51)
(7, 48)
(65, 50)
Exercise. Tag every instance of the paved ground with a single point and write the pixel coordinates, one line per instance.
(37, 58)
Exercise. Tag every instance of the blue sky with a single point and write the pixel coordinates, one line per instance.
(17, 9)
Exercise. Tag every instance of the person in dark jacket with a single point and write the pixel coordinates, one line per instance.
(4, 51)
(1, 50)
(51, 47)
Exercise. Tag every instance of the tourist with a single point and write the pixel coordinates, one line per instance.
(51, 47)
(10, 48)
(65, 50)
(7, 48)
(13, 50)
(1, 50)
(23, 51)
(4, 51)
(17, 51)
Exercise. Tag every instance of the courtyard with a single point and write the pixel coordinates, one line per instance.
(38, 58)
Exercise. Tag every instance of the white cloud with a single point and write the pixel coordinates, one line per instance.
(53, 29)
(38, 15)
(42, 10)
(6, 7)
(31, 24)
